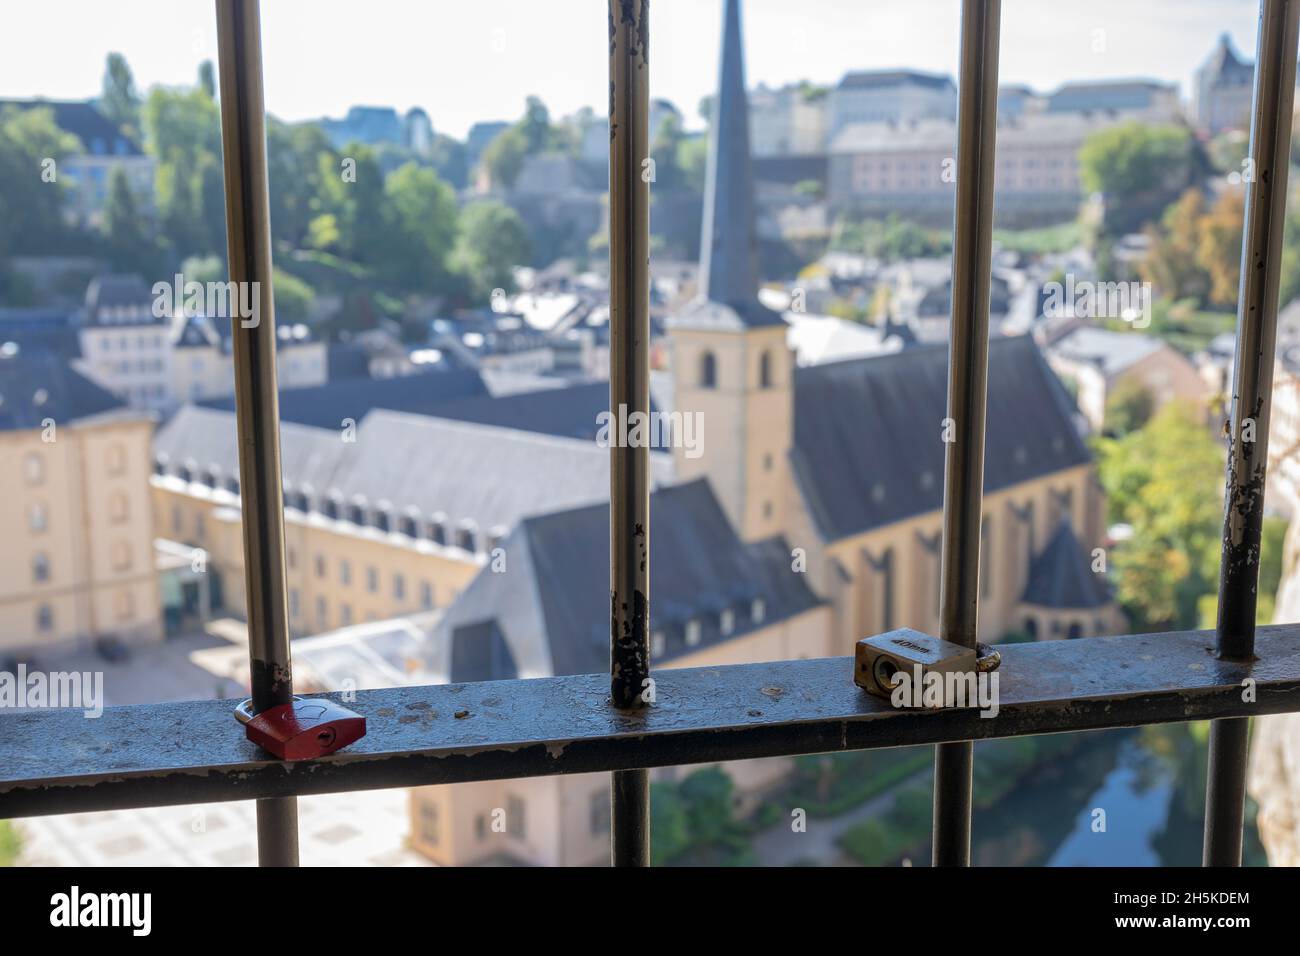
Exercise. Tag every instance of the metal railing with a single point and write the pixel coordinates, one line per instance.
(54, 761)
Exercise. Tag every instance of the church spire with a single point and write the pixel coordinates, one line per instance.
(728, 244)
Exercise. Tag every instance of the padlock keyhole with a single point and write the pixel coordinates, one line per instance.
(325, 737)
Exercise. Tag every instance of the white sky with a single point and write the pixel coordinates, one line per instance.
(471, 60)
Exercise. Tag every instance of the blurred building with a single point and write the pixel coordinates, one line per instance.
(789, 120)
(890, 96)
(77, 564)
(105, 148)
(1100, 363)
(908, 168)
(1145, 100)
(1223, 90)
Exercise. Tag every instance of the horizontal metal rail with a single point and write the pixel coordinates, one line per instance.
(59, 761)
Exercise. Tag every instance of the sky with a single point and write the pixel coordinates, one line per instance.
(466, 61)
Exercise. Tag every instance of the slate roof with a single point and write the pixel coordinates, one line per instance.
(490, 477)
(36, 385)
(555, 596)
(868, 448)
(41, 329)
(1111, 352)
(325, 406)
(1061, 577)
(884, 79)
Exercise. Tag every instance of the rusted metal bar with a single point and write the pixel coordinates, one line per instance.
(629, 394)
(968, 346)
(257, 410)
(56, 761)
(1248, 425)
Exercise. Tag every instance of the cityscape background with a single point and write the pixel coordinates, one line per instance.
(440, 216)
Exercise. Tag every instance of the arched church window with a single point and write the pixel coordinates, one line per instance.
(708, 371)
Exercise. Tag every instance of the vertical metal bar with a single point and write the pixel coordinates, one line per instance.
(629, 393)
(1252, 389)
(968, 346)
(257, 409)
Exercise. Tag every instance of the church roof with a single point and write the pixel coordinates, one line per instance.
(1061, 577)
(868, 447)
(550, 611)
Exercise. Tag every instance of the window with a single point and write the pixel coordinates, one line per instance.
(708, 371)
(44, 619)
(757, 608)
(345, 571)
(426, 595)
(37, 519)
(372, 579)
(40, 568)
(295, 604)
(692, 633)
(320, 565)
(322, 613)
(765, 370)
(345, 614)
(437, 532)
(408, 526)
(465, 539)
(119, 507)
(657, 644)
(399, 588)
(34, 469)
(727, 622)
(291, 557)
(124, 606)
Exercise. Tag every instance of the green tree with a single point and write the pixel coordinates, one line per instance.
(118, 99)
(1133, 159)
(504, 157)
(208, 79)
(424, 219)
(1218, 251)
(1128, 408)
(1172, 263)
(1165, 481)
(536, 125)
(183, 132)
(708, 796)
(492, 242)
(299, 158)
(669, 824)
(33, 193)
(130, 247)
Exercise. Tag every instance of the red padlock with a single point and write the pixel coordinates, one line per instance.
(306, 728)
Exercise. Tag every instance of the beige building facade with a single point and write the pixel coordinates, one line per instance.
(78, 560)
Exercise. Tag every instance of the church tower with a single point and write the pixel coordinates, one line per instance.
(731, 365)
